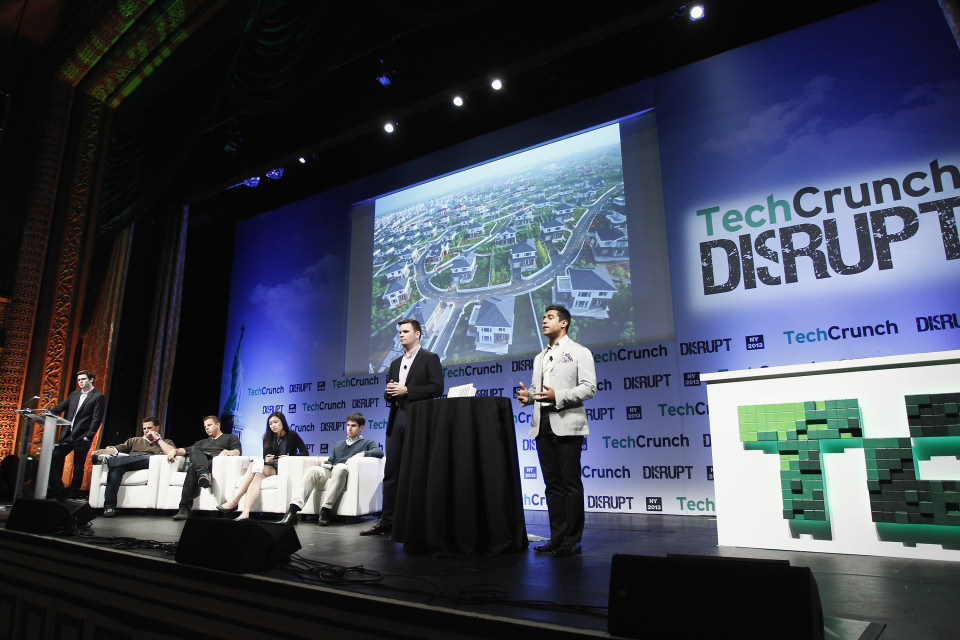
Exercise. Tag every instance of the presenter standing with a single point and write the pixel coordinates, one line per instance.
(563, 378)
(416, 375)
(84, 409)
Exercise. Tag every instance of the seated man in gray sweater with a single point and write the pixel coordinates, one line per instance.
(331, 476)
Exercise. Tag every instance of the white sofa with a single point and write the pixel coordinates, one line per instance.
(172, 475)
(362, 495)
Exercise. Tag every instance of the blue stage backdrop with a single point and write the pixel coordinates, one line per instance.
(791, 201)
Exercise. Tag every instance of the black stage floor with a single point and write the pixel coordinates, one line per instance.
(862, 596)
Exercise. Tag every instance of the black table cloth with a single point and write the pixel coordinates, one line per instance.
(459, 489)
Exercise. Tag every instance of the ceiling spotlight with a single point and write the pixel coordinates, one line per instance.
(457, 101)
(303, 161)
(252, 182)
(496, 84)
(274, 174)
(696, 12)
(389, 128)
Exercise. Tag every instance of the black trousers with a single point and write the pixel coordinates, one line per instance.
(560, 462)
(116, 468)
(198, 463)
(391, 466)
(79, 448)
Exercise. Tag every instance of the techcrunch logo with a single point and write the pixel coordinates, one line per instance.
(301, 428)
(642, 353)
(674, 410)
(468, 371)
(644, 442)
(324, 406)
(534, 500)
(375, 424)
(622, 473)
(265, 391)
(691, 504)
(841, 333)
(347, 383)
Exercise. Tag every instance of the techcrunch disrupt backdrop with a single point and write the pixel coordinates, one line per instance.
(812, 201)
(778, 254)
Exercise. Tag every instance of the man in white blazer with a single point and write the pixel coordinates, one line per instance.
(563, 378)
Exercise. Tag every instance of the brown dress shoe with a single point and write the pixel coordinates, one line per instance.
(376, 530)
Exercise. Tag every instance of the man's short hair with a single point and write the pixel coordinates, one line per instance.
(358, 418)
(562, 313)
(152, 419)
(214, 418)
(414, 323)
(89, 374)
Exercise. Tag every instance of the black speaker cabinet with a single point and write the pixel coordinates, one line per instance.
(709, 597)
(241, 546)
(49, 516)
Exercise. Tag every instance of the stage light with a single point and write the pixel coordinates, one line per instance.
(389, 127)
(496, 84)
(252, 182)
(384, 80)
(274, 174)
(457, 101)
(303, 161)
(696, 12)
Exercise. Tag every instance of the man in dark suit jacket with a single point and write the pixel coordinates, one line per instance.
(416, 375)
(84, 409)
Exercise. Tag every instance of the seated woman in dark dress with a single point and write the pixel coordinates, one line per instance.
(278, 441)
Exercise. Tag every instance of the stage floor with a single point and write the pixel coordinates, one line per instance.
(905, 599)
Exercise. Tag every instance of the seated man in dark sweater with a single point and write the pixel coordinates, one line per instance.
(138, 450)
(198, 458)
(331, 476)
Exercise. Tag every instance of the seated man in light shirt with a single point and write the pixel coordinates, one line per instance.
(331, 476)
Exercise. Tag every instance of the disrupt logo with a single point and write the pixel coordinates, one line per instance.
(529, 444)
(599, 413)
(366, 403)
(609, 502)
(706, 440)
(309, 446)
(691, 379)
(821, 244)
(270, 408)
(333, 425)
(941, 322)
(667, 472)
(754, 342)
(522, 365)
(842, 333)
(651, 381)
(300, 387)
(654, 503)
(710, 472)
(697, 347)
(529, 473)
(494, 392)
(635, 413)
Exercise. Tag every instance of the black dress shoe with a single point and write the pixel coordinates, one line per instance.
(290, 517)
(568, 549)
(109, 512)
(376, 530)
(222, 509)
(324, 519)
(549, 547)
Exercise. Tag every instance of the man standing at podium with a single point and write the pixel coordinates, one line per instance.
(84, 410)
(563, 378)
(416, 375)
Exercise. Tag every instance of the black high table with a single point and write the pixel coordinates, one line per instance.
(459, 491)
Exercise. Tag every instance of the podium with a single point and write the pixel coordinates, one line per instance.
(51, 424)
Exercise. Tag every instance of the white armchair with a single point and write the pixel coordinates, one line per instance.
(275, 490)
(172, 474)
(138, 489)
(363, 493)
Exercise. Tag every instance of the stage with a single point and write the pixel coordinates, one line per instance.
(862, 597)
